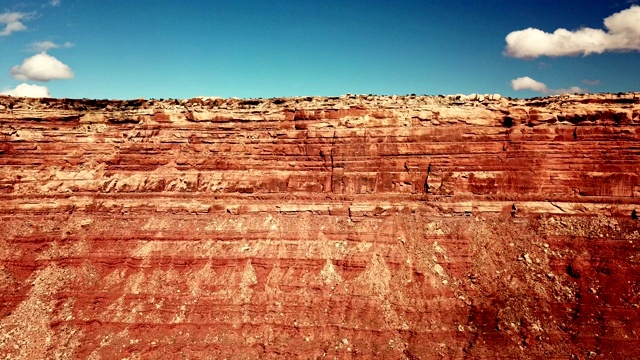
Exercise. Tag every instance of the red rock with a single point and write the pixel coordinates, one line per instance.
(405, 227)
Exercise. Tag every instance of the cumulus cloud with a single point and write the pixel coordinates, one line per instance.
(41, 67)
(12, 22)
(28, 90)
(527, 83)
(40, 46)
(622, 34)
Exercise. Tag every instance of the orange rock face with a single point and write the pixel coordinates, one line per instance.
(352, 227)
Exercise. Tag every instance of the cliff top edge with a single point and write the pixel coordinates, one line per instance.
(351, 100)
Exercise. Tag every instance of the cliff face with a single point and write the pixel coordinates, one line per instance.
(392, 227)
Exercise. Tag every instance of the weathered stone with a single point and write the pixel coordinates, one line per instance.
(320, 227)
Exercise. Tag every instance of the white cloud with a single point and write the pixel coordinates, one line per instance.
(571, 90)
(12, 22)
(28, 90)
(51, 3)
(622, 34)
(40, 46)
(41, 67)
(527, 83)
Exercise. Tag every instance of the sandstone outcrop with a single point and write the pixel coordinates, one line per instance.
(350, 227)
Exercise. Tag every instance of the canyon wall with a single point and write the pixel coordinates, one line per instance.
(350, 227)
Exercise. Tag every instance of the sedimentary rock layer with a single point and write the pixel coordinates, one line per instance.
(359, 226)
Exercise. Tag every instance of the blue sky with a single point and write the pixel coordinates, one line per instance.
(161, 49)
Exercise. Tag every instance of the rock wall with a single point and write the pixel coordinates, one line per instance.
(352, 227)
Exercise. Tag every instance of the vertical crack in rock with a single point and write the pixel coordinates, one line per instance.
(426, 179)
(332, 163)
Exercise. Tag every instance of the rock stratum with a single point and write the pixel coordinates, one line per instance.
(349, 227)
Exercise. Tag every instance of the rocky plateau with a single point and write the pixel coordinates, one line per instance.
(395, 227)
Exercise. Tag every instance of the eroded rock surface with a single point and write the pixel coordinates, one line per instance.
(352, 227)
